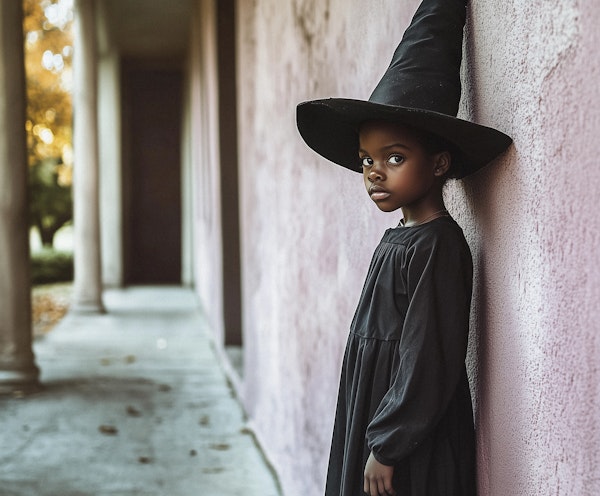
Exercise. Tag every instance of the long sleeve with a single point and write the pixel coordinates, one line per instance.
(437, 271)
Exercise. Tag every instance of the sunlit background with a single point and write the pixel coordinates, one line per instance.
(48, 57)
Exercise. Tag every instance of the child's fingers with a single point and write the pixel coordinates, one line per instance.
(374, 489)
(389, 489)
(378, 487)
(378, 478)
(385, 488)
(370, 487)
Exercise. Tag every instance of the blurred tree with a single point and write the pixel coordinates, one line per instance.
(52, 206)
(48, 54)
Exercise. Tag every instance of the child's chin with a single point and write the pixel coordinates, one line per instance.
(387, 208)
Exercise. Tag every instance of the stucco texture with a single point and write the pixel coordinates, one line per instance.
(202, 97)
(308, 231)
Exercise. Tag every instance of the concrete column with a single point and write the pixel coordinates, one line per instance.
(109, 144)
(109, 139)
(87, 287)
(17, 368)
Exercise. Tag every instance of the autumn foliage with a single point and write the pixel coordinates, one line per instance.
(48, 55)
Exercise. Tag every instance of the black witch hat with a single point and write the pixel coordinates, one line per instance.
(421, 88)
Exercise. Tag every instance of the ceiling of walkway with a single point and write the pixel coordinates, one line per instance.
(149, 28)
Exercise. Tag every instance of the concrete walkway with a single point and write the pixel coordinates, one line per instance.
(134, 403)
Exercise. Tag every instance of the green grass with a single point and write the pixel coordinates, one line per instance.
(50, 266)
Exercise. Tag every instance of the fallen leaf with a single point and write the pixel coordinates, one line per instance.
(46, 311)
(133, 412)
(109, 430)
(220, 446)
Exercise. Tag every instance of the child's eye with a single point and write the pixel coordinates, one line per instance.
(396, 159)
(366, 161)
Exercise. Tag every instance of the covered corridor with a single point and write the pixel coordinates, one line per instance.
(133, 402)
(275, 243)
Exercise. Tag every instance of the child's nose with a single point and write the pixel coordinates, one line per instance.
(375, 174)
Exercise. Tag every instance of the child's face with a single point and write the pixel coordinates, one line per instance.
(397, 170)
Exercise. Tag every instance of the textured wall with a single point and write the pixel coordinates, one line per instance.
(202, 127)
(308, 231)
(308, 227)
(531, 224)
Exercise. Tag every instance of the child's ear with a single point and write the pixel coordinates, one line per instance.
(443, 161)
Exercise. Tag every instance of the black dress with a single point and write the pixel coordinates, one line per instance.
(404, 393)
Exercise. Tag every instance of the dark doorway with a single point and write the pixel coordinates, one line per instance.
(152, 105)
(232, 303)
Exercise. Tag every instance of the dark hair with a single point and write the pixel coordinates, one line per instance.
(432, 143)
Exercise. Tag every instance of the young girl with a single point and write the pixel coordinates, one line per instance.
(404, 421)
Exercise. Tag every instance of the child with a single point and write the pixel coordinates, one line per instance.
(404, 421)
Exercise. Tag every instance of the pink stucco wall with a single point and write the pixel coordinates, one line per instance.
(201, 98)
(308, 230)
(531, 223)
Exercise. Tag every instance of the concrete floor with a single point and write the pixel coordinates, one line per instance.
(134, 402)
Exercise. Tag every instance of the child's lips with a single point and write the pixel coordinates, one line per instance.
(377, 193)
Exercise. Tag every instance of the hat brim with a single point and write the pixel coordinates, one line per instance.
(330, 127)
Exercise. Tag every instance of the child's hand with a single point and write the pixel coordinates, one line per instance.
(378, 478)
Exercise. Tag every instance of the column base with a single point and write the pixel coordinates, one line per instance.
(87, 308)
(20, 382)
